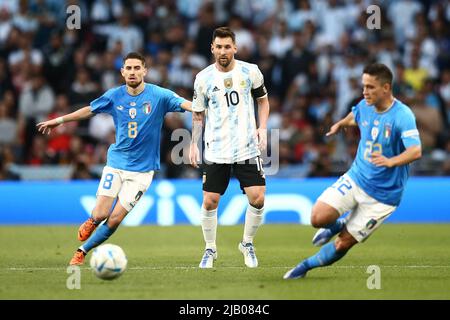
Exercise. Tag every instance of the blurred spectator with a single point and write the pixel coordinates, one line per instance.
(281, 41)
(5, 79)
(101, 126)
(296, 60)
(81, 170)
(444, 88)
(6, 160)
(25, 53)
(106, 11)
(301, 15)
(124, 32)
(415, 75)
(37, 153)
(429, 122)
(311, 54)
(57, 62)
(83, 89)
(58, 143)
(35, 102)
(23, 19)
(244, 38)
(45, 13)
(446, 165)
(8, 126)
(203, 29)
(5, 26)
(401, 13)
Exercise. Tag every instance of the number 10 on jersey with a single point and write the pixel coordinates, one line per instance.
(232, 98)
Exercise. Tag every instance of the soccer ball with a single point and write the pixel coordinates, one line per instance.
(108, 261)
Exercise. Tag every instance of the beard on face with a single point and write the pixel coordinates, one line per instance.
(224, 63)
(134, 84)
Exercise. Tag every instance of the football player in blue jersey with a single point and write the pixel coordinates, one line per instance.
(372, 188)
(138, 110)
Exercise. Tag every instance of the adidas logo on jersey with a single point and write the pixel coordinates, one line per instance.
(216, 89)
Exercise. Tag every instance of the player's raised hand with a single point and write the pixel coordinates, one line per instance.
(47, 126)
(262, 139)
(379, 160)
(333, 130)
(194, 155)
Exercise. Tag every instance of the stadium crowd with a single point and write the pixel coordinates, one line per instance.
(311, 53)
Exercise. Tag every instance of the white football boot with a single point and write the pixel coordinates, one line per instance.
(208, 259)
(249, 254)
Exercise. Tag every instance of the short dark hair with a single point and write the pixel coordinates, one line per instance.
(134, 55)
(224, 32)
(380, 71)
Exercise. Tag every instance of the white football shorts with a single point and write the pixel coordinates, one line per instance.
(129, 186)
(366, 215)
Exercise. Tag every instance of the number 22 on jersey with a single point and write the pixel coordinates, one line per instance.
(372, 148)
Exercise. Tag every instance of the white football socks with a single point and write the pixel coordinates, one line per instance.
(253, 219)
(209, 227)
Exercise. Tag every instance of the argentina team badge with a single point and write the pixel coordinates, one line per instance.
(132, 113)
(147, 107)
(228, 83)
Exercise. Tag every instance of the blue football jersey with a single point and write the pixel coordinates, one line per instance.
(388, 133)
(138, 121)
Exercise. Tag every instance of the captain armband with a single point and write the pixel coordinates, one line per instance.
(259, 92)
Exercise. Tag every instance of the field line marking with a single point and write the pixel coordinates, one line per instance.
(226, 267)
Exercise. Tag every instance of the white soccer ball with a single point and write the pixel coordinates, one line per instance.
(108, 261)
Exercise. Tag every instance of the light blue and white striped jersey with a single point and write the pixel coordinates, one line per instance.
(388, 133)
(226, 98)
(138, 121)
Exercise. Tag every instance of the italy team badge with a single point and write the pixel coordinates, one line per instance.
(387, 131)
(147, 107)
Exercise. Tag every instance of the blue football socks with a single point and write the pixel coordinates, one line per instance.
(327, 255)
(336, 226)
(101, 235)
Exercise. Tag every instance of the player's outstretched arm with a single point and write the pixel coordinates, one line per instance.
(348, 121)
(80, 114)
(197, 128)
(187, 105)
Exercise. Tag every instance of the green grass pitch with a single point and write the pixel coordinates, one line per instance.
(414, 261)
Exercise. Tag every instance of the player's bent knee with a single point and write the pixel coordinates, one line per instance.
(322, 215)
(318, 219)
(344, 243)
(210, 203)
(211, 200)
(258, 202)
(315, 220)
